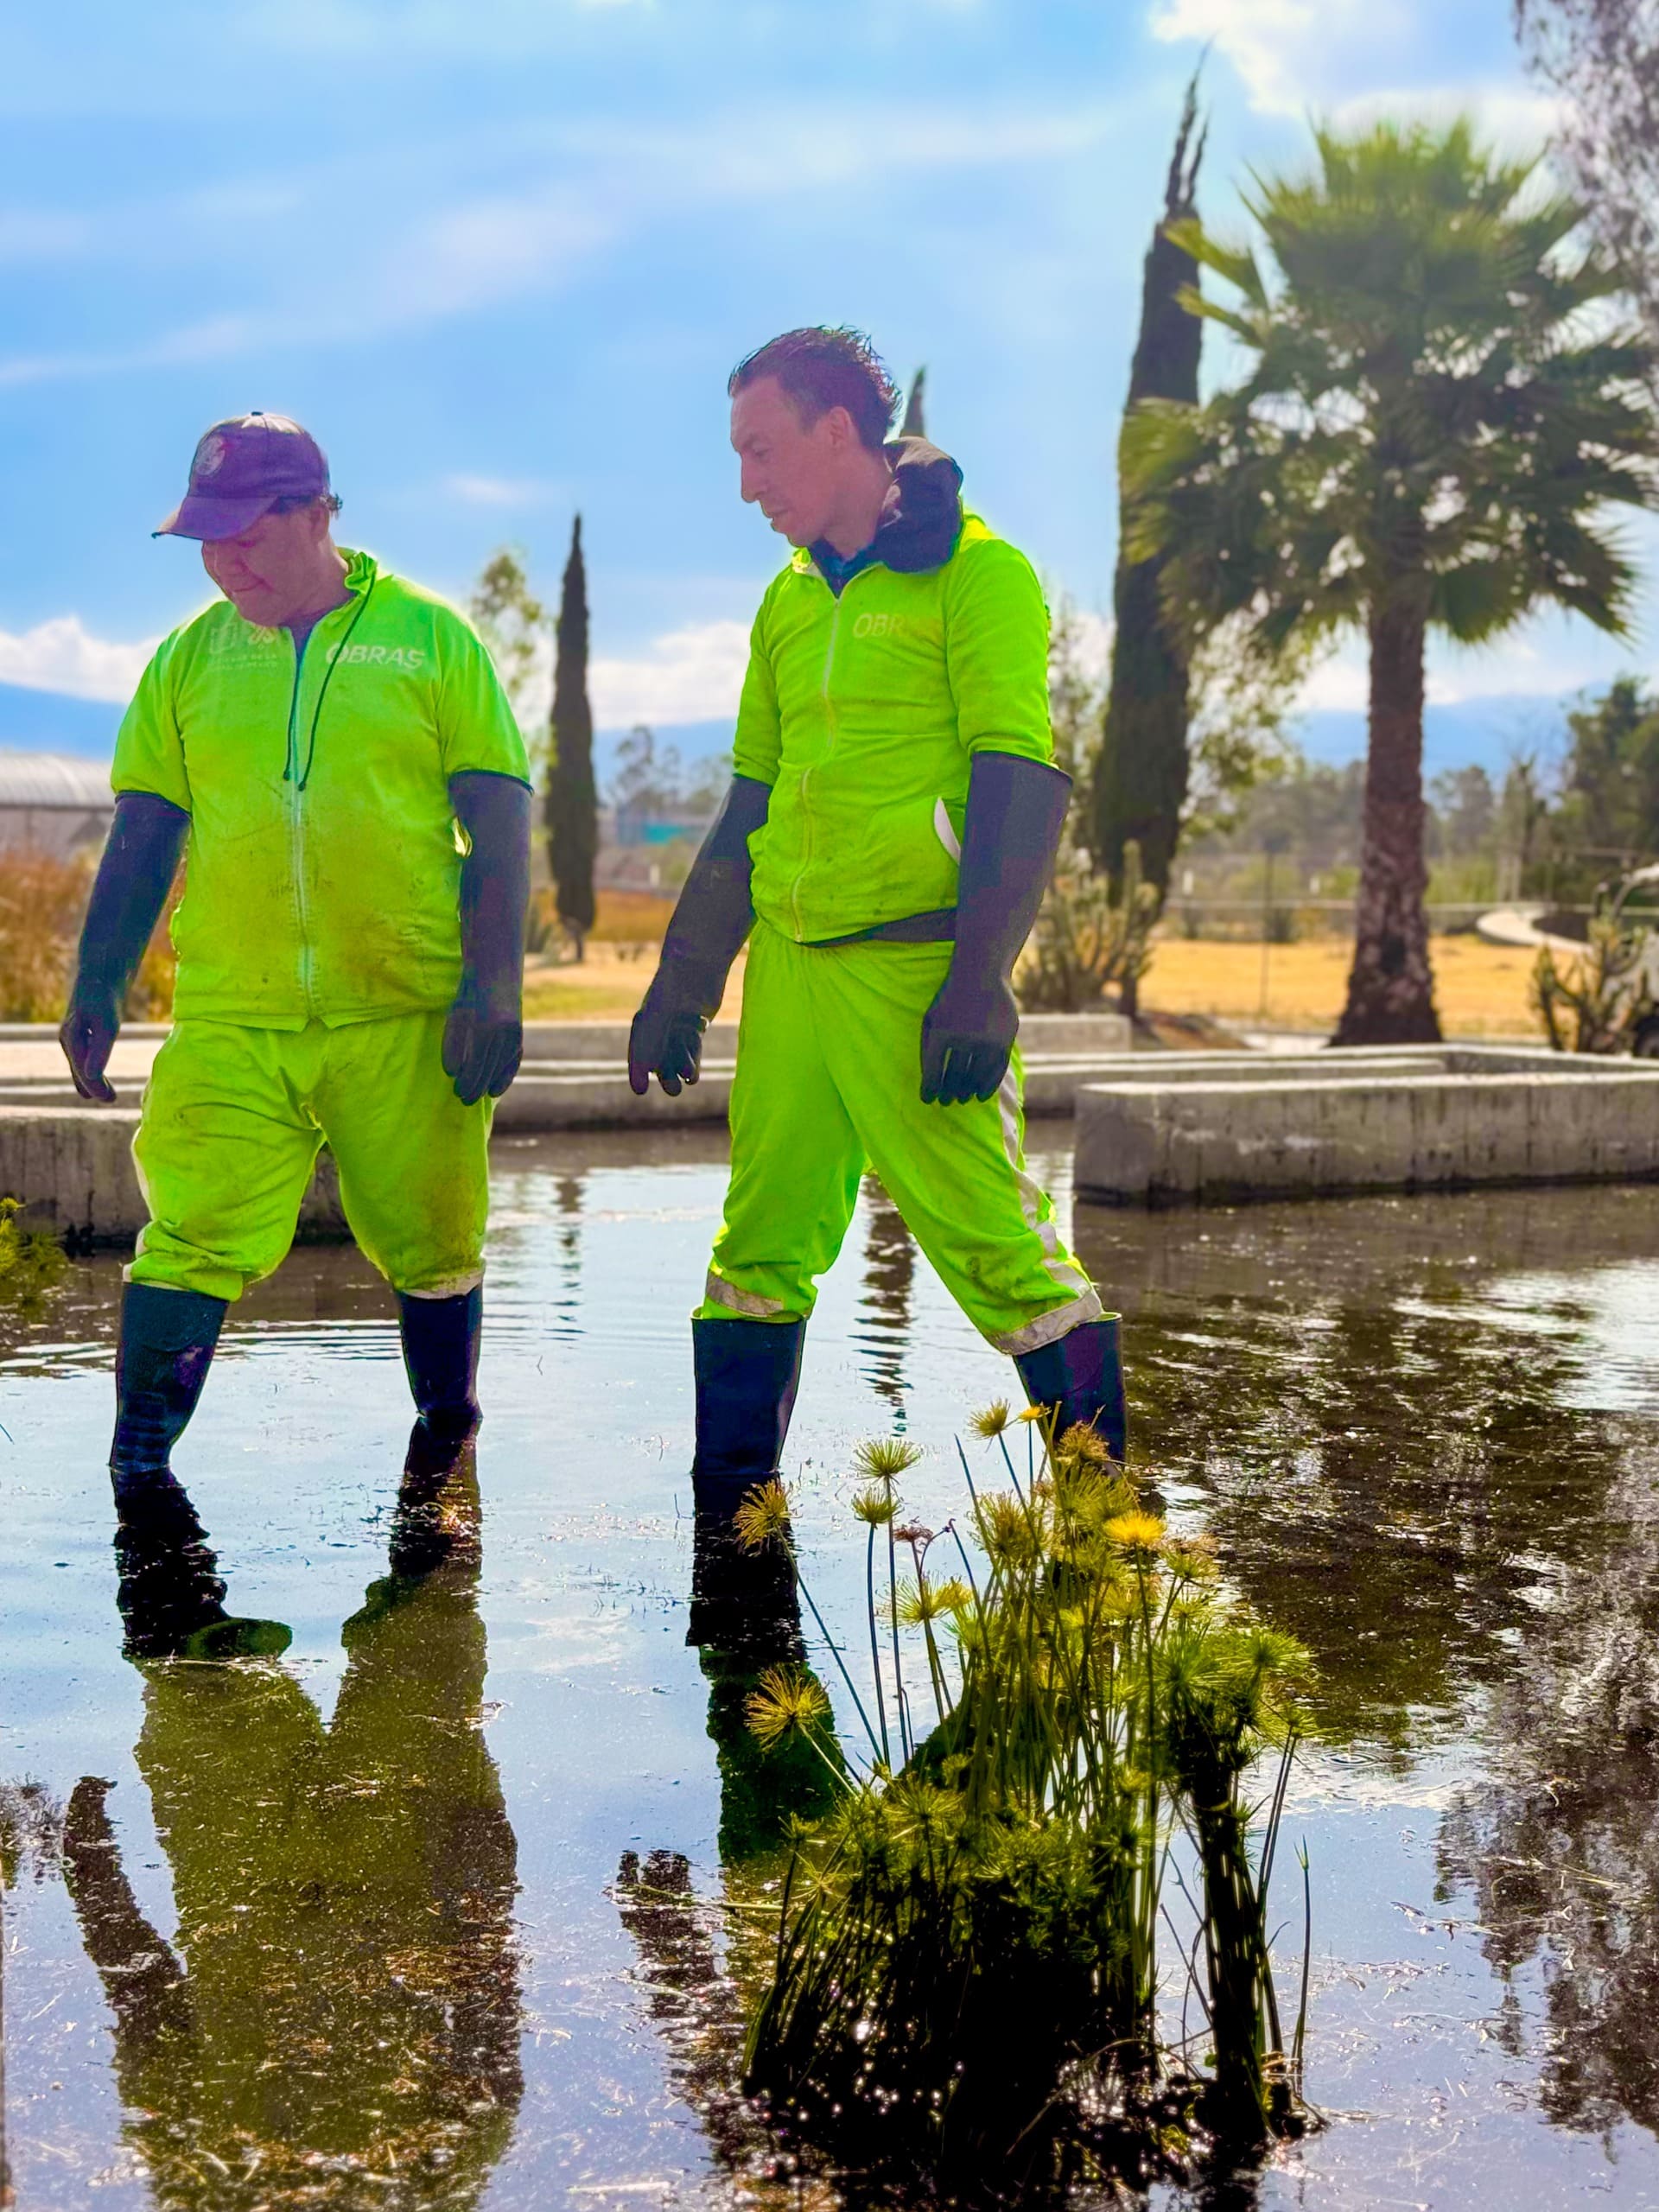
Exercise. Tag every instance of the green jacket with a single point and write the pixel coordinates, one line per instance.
(863, 714)
(323, 874)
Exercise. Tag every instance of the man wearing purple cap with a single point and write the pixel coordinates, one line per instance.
(334, 745)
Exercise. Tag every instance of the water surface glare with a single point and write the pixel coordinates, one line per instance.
(347, 1928)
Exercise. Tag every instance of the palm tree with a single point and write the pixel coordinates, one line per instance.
(1440, 404)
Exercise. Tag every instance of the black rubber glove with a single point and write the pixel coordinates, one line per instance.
(483, 1037)
(1016, 809)
(134, 877)
(710, 922)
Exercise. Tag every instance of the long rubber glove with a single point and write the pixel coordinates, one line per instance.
(713, 918)
(134, 877)
(1016, 809)
(483, 1037)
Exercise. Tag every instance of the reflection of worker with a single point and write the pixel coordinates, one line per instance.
(888, 834)
(341, 1999)
(697, 1998)
(332, 743)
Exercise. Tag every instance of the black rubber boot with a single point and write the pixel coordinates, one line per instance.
(440, 1340)
(1081, 1376)
(168, 1340)
(747, 1376)
(169, 1594)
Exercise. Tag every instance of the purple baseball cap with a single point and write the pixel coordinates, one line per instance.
(241, 469)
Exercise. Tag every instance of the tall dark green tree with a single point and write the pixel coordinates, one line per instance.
(1141, 776)
(572, 808)
(914, 425)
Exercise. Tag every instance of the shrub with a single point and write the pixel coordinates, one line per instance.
(1086, 940)
(43, 899)
(1594, 1003)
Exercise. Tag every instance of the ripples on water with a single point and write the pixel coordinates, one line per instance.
(349, 1930)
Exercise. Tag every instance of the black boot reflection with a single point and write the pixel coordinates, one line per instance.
(744, 1602)
(340, 2002)
(169, 1594)
(701, 1989)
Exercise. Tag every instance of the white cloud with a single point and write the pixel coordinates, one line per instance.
(62, 655)
(1544, 659)
(692, 675)
(588, 189)
(501, 491)
(1518, 122)
(1296, 56)
(219, 340)
(1271, 43)
(1339, 685)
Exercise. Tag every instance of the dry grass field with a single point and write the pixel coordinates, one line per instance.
(1480, 990)
(607, 986)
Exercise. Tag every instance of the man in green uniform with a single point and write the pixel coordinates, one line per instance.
(332, 746)
(884, 846)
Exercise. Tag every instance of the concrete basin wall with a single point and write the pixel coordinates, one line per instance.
(75, 1170)
(1352, 1127)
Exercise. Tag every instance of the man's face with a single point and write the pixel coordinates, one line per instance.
(270, 572)
(793, 475)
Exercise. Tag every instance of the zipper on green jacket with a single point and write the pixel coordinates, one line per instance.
(297, 824)
(829, 730)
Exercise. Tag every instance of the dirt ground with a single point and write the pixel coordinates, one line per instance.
(1480, 990)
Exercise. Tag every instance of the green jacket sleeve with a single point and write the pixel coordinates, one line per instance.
(758, 739)
(150, 745)
(996, 651)
(477, 727)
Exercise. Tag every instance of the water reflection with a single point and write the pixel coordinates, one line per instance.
(569, 1193)
(338, 2019)
(1425, 1433)
(703, 1966)
(1399, 1457)
(884, 1328)
(1560, 1842)
(31, 1840)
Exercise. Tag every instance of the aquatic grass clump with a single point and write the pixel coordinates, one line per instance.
(32, 1263)
(966, 1977)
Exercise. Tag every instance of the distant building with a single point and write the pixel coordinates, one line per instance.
(53, 803)
(633, 823)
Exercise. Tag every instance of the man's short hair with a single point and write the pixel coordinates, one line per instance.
(820, 369)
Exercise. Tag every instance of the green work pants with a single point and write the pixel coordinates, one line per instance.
(234, 1119)
(829, 1082)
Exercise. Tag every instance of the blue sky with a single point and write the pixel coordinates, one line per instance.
(499, 257)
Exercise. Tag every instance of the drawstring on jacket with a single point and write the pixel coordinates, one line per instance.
(322, 693)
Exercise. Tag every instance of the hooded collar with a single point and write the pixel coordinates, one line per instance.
(921, 519)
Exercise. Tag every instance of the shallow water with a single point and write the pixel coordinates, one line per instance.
(368, 1897)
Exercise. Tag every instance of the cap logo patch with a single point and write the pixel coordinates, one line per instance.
(210, 455)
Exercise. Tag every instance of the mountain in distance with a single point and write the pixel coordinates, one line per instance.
(1488, 732)
(1474, 733)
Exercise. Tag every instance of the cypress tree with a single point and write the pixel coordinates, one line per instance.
(912, 426)
(571, 808)
(1140, 781)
